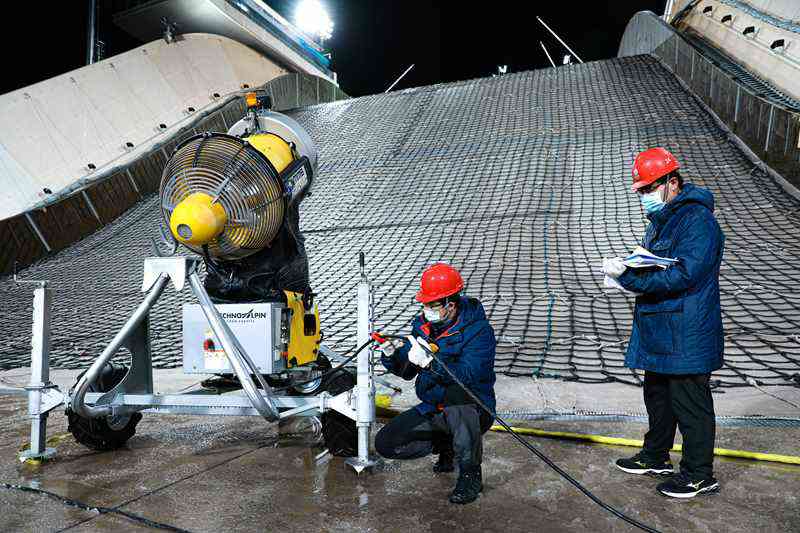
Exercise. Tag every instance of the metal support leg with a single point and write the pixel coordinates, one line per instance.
(365, 386)
(39, 386)
(77, 404)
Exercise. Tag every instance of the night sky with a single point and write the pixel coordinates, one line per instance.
(373, 40)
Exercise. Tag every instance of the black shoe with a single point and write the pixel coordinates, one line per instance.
(682, 486)
(469, 484)
(639, 464)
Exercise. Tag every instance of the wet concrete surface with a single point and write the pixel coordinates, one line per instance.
(237, 474)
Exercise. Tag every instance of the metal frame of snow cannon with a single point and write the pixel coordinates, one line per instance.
(134, 393)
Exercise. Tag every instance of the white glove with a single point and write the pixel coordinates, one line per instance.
(417, 353)
(389, 347)
(613, 267)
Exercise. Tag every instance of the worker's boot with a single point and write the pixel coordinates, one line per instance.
(444, 464)
(469, 484)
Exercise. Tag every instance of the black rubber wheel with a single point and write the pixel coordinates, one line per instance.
(338, 431)
(104, 434)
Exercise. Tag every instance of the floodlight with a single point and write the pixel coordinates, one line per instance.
(312, 18)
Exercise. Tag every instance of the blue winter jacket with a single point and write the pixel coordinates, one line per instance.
(467, 348)
(677, 322)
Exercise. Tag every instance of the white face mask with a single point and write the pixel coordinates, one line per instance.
(652, 201)
(431, 315)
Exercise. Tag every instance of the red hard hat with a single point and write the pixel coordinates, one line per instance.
(439, 280)
(651, 165)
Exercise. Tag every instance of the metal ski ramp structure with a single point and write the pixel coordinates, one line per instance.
(522, 182)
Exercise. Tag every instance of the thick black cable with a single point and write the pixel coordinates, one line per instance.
(540, 455)
(94, 508)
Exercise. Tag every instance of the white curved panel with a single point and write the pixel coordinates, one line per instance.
(785, 9)
(51, 131)
(780, 67)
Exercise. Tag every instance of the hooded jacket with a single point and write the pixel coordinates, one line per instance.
(677, 322)
(467, 347)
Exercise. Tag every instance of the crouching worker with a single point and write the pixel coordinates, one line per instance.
(447, 422)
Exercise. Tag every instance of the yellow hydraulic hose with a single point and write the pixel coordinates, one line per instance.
(756, 456)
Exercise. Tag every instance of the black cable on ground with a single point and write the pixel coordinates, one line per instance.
(542, 456)
(92, 508)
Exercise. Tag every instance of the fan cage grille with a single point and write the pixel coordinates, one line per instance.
(247, 186)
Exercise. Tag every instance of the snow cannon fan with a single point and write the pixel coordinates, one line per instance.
(225, 196)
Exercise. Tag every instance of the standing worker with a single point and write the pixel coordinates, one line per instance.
(447, 422)
(677, 334)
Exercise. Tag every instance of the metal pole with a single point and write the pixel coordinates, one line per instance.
(769, 128)
(91, 33)
(547, 54)
(736, 108)
(711, 84)
(559, 40)
(365, 386)
(668, 10)
(133, 182)
(91, 207)
(40, 371)
(677, 42)
(398, 79)
(788, 126)
(38, 233)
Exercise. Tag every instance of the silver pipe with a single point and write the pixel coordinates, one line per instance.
(40, 367)
(91, 207)
(365, 388)
(668, 10)
(78, 405)
(36, 230)
(238, 358)
(398, 79)
(547, 54)
(769, 130)
(571, 51)
(91, 33)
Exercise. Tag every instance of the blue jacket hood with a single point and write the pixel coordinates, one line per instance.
(470, 311)
(689, 194)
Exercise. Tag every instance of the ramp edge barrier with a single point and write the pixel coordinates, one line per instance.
(765, 129)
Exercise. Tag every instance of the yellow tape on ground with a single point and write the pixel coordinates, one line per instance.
(601, 439)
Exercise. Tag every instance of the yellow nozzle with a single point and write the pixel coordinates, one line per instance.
(274, 148)
(196, 220)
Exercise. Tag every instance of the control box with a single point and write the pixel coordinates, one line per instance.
(259, 327)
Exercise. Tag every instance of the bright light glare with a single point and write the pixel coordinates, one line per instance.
(312, 18)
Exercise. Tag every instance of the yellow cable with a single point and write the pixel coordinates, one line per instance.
(756, 456)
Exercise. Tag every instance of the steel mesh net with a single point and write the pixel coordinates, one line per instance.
(522, 182)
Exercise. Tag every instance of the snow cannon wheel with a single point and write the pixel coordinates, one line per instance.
(338, 431)
(106, 433)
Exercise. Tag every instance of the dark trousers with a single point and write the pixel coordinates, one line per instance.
(683, 402)
(460, 425)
